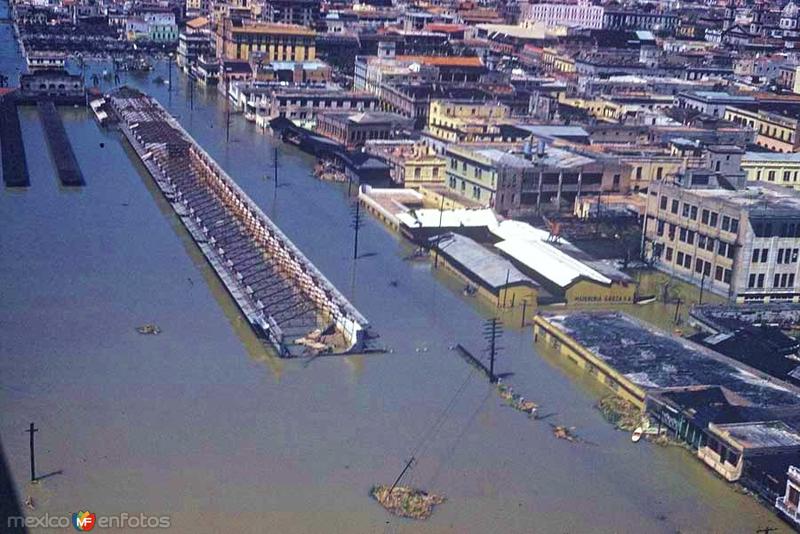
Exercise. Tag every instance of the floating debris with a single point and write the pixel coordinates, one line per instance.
(314, 343)
(29, 503)
(562, 432)
(517, 401)
(148, 329)
(406, 502)
(470, 290)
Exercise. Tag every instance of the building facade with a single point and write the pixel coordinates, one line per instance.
(278, 42)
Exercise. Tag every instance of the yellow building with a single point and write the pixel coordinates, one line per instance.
(411, 164)
(465, 121)
(556, 61)
(776, 131)
(782, 169)
(279, 42)
(486, 274)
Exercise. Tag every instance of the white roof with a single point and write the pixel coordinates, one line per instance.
(516, 229)
(549, 262)
(431, 218)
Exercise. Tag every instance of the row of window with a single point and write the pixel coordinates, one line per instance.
(785, 255)
(690, 237)
(707, 217)
(780, 280)
(775, 228)
(701, 266)
(788, 176)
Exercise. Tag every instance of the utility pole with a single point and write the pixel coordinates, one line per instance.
(403, 472)
(170, 74)
(677, 309)
(32, 430)
(275, 165)
(191, 91)
(702, 286)
(524, 310)
(438, 236)
(356, 225)
(492, 331)
(227, 111)
(766, 530)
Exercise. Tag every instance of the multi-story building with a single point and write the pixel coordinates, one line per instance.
(581, 14)
(354, 129)
(789, 503)
(771, 167)
(411, 164)
(236, 39)
(299, 12)
(458, 121)
(303, 104)
(195, 41)
(511, 180)
(777, 126)
(621, 19)
(740, 243)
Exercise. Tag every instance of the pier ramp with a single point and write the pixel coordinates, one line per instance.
(285, 298)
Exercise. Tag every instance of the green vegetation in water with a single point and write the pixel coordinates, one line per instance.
(621, 413)
(406, 502)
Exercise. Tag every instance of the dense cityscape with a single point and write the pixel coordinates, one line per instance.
(284, 265)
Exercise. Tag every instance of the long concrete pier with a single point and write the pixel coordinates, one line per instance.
(15, 167)
(282, 294)
(69, 172)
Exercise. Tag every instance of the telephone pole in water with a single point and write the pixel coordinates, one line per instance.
(492, 332)
(356, 225)
(32, 430)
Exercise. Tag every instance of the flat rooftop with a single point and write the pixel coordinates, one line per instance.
(653, 359)
(760, 435)
(761, 200)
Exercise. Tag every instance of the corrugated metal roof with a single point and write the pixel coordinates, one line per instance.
(493, 269)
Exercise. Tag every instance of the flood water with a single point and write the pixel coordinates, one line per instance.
(203, 424)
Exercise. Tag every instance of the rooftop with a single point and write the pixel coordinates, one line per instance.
(760, 435)
(653, 359)
(494, 270)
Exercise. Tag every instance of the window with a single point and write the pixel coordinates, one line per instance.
(704, 216)
(685, 212)
(714, 217)
(734, 225)
(776, 281)
(668, 254)
(680, 258)
(727, 276)
(698, 265)
(693, 213)
(751, 281)
(663, 204)
(760, 280)
(682, 235)
(660, 228)
(726, 223)
(718, 274)
(764, 255)
(674, 208)
(756, 255)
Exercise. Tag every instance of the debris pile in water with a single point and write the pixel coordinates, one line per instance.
(515, 400)
(406, 502)
(148, 329)
(562, 432)
(621, 413)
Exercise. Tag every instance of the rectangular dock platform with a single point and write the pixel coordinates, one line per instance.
(15, 167)
(69, 172)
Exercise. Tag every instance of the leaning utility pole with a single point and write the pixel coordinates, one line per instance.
(275, 165)
(492, 331)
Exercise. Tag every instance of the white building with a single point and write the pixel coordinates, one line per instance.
(581, 14)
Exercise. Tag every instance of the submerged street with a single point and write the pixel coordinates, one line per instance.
(204, 423)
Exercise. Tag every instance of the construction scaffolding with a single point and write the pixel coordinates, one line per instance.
(282, 294)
